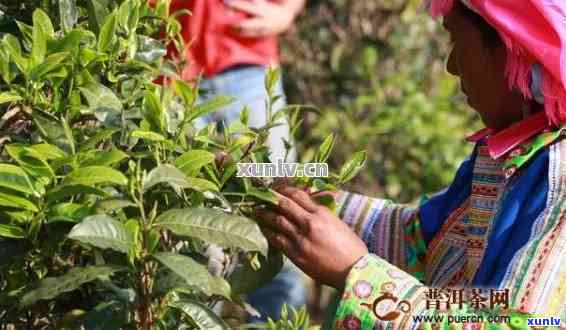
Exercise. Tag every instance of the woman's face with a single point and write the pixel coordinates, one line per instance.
(481, 68)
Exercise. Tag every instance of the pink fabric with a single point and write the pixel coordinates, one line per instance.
(534, 31)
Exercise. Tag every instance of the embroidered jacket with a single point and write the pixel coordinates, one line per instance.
(493, 243)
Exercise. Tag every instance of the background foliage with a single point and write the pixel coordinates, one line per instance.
(376, 69)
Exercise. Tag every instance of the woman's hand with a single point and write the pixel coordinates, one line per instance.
(268, 18)
(315, 239)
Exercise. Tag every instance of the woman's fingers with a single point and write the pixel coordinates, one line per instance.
(300, 197)
(277, 222)
(279, 241)
(292, 211)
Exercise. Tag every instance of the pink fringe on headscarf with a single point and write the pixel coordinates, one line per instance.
(440, 7)
(518, 71)
(554, 99)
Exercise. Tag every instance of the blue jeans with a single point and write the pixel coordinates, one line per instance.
(246, 84)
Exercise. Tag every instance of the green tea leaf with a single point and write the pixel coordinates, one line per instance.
(13, 177)
(192, 272)
(149, 50)
(107, 35)
(192, 161)
(202, 316)
(353, 166)
(97, 12)
(11, 231)
(10, 200)
(51, 63)
(201, 185)
(68, 14)
(12, 46)
(112, 204)
(165, 174)
(103, 232)
(100, 136)
(264, 194)
(153, 112)
(212, 105)
(51, 287)
(68, 212)
(106, 158)
(7, 97)
(325, 149)
(91, 175)
(61, 192)
(216, 227)
(185, 91)
(102, 101)
(148, 135)
(42, 30)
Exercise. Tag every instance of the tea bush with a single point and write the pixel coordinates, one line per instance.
(113, 207)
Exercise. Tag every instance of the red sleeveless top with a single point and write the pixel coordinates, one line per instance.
(213, 45)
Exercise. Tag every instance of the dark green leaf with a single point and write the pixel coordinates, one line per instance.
(202, 316)
(216, 227)
(245, 279)
(106, 316)
(11, 231)
(97, 12)
(51, 287)
(61, 192)
(104, 232)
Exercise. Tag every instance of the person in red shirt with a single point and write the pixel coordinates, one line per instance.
(230, 44)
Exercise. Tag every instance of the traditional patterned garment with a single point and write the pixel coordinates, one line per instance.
(500, 226)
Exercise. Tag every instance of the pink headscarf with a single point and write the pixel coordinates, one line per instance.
(534, 32)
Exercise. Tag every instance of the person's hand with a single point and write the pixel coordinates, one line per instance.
(268, 18)
(315, 239)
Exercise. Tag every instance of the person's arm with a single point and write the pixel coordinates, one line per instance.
(267, 17)
(376, 294)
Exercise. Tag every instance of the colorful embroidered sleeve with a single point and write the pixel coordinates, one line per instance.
(379, 295)
(391, 231)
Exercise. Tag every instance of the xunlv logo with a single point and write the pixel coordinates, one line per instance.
(543, 321)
